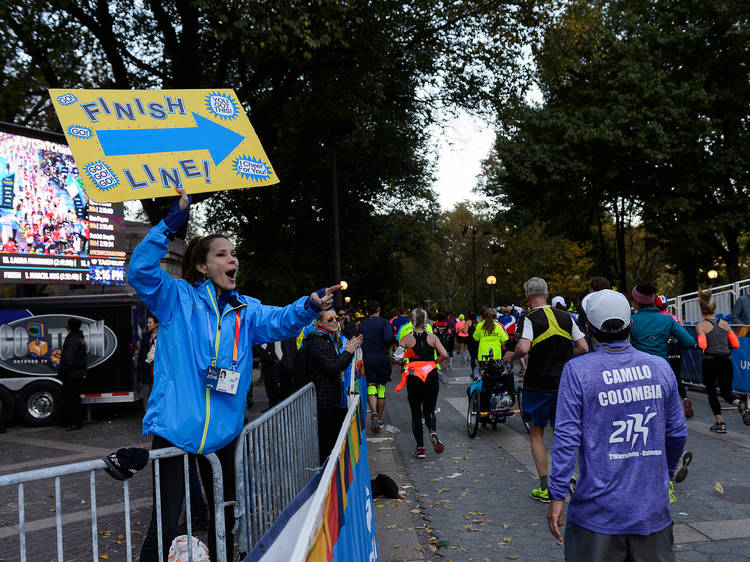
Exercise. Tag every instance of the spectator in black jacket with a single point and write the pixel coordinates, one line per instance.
(325, 362)
(72, 371)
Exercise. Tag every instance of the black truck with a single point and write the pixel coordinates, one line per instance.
(32, 331)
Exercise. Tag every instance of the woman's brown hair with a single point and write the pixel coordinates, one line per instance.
(195, 253)
(488, 320)
(706, 303)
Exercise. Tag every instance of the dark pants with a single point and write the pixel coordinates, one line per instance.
(330, 420)
(582, 545)
(473, 352)
(422, 401)
(172, 477)
(676, 364)
(718, 372)
(270, 374)
(71, 414)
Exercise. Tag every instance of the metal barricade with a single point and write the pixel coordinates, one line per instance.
(22, 478)
(274, 459)
(686, 307)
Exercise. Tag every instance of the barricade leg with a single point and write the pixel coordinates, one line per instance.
(217, 474)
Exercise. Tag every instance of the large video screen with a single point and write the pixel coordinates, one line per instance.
(49, 230)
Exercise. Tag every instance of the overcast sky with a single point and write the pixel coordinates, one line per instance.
(461, 147)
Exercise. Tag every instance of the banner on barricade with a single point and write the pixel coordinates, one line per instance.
(137, 144)
(692, 359)
(347, 530)
(336, 505)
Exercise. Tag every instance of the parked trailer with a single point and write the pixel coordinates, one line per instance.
(32, 332)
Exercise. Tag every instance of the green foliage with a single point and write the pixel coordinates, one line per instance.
(363, 78)
(644, 124)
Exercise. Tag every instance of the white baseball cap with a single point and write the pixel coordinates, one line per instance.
(604, 305)
(558, 300)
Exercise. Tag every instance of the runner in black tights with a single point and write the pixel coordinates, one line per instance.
(421, 379)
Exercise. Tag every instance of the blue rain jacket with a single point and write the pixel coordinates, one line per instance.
(192, 335)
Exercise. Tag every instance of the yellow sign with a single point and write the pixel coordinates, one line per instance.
(137, 144)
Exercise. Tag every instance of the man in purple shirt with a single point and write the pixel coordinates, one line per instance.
(618, 409)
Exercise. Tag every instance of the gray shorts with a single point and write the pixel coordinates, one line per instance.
(582, 545)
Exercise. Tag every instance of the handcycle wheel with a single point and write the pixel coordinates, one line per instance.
(472, 415)
(524, 415)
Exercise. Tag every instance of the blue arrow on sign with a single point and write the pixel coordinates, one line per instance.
(217, 139)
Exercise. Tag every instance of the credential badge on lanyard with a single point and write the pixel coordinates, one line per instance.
(222, 379)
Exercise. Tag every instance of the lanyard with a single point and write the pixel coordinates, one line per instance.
(218, 332)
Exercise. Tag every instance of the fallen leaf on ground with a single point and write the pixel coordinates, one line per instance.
(513, 556)
(436, 479)
(517, 470)
(390, 526)
(381, 506)
(719, 488)
(415, 510)
(507, 539)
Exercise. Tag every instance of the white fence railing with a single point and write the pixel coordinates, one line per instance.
(686, 308)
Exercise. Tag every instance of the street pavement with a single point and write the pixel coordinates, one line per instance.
(472, 502)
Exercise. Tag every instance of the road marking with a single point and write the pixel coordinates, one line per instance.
(378, 439)
(76, 517)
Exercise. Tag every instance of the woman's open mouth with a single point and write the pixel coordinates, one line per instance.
(232, 275)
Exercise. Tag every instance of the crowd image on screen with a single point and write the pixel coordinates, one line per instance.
(42, 219)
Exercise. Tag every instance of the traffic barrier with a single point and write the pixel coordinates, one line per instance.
(275, 457)
(22, 478)
(686, 308)
(332, 518)
(692, 360)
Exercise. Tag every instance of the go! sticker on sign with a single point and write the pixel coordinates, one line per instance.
(136, 144)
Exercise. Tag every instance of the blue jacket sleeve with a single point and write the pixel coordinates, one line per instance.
(273, 323)
(154, 286)
(567, 433)
(675, 428)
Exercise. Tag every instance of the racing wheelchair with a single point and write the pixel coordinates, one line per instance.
(493, 396)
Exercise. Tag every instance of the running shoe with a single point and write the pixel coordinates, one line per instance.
(687, 405)
(375, 426)
(672, 497)
(419, 453)
(719, 428)
(743, 410)
(436, 443)
(682, 470)
(540, 495)
(381, 424)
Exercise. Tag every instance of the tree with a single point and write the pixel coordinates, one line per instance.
(358, 79)
(642, 125)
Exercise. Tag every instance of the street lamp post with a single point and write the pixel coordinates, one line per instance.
(474, 233)
(491, 280)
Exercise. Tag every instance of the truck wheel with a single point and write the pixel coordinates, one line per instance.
(6, 407)
(40, 403)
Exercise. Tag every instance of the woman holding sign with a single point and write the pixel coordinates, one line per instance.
(202, 370)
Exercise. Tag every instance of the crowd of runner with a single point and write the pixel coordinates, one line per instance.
(602, 378)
